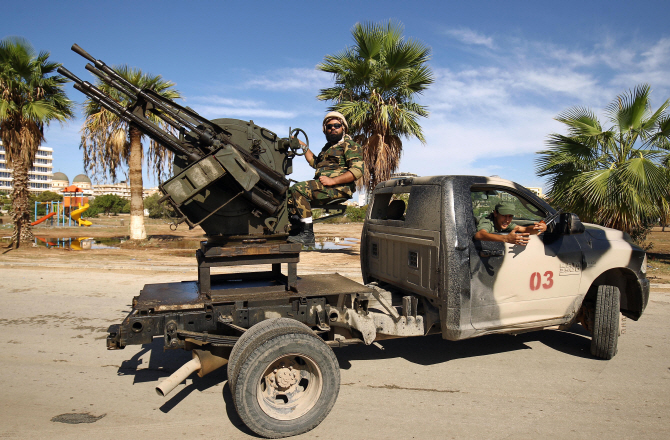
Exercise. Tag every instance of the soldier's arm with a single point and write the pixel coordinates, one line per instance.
(513, 237)
(339, 180)
(353, 155)
(309, 156)
(534, 229)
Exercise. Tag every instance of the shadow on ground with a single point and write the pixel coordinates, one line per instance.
(428, 350)
(433, 349)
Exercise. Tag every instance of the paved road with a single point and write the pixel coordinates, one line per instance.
(536, 385)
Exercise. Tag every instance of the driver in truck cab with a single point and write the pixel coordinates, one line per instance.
(489, 228)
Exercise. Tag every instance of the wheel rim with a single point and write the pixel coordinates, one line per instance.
(290, 387)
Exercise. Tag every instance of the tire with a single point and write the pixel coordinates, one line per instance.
(606, 323)
(287, 385)
(258, 335)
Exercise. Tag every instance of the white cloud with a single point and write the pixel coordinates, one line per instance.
(468, 36)
(215, 111)
(292, 79)
(547, 81)
(220, 100)
(492, 116)
(658, 56)
(652, 67)
(216, 106)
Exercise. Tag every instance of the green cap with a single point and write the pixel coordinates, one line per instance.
(505, 208)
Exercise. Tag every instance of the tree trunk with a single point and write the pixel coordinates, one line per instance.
(20, 208)
(137, 231)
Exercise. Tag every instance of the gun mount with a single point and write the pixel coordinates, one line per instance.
(229, 175)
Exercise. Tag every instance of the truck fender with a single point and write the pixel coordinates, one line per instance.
(633, 296)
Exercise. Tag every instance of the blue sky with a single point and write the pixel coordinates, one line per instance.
(503, 70)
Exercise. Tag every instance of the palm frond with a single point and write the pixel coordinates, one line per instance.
(607, 176)
(628, 110)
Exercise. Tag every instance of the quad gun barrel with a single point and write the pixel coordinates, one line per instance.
(204, 150)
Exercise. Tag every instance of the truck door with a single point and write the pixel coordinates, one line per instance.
(514, 285)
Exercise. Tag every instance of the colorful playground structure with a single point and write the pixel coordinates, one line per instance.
(67, 211)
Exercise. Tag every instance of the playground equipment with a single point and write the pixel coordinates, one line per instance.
(76, 215)
(53, 209)
(70, 209)
(46, 217)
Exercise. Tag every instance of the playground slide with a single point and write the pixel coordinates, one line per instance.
(76, 215)
(48, 216)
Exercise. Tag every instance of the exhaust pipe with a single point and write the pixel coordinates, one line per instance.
(204, 362)
(169, 384)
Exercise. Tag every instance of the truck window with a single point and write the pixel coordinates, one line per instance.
(484, 202)
(390, 206)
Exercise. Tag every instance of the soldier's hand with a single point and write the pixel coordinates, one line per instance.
(327, 181)
(518, 238)
(540, 227)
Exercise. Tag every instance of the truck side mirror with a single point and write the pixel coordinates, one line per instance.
(570, 224)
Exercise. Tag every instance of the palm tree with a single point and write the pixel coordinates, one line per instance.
(110, 143)
(30, 99)
(376, 82)
(617, 176)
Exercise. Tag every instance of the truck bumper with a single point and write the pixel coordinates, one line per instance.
(114, 337)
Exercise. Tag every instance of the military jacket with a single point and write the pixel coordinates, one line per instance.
(335, 160)
(487, 224)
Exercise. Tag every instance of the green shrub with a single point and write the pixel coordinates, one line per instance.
(355, 214)
(158, 210)
(107, 204)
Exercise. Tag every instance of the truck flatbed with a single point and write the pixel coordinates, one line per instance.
(164, 297)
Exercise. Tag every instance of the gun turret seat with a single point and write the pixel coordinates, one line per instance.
(333, 208)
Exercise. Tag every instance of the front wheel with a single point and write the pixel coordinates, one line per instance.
(606, 322)
(287, 385)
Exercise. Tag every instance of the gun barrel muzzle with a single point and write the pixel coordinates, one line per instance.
(83, 53)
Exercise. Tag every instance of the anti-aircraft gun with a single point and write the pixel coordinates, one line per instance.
(229, 174)
(229, 178)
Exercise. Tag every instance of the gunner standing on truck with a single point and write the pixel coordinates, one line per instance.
(501, 220)
(338, 166)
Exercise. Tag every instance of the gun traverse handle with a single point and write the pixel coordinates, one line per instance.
(75, 48)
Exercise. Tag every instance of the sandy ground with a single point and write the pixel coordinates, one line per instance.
(56, 305)
(174, 251)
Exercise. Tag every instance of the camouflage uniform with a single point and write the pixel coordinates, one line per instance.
(332, 161)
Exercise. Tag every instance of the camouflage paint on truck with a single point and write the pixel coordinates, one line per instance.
(482, 287)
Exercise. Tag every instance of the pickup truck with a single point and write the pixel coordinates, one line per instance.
(424, 274)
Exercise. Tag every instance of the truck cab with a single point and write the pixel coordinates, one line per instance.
(418, 239)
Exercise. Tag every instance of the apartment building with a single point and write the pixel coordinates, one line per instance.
(40, 174)
(121, 189)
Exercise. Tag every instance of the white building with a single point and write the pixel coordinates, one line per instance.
(39, 175)
(121, 189)
(84, 183)
(59, 181)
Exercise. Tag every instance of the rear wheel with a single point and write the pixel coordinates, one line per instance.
(287, 385)
(606, 322)
(258, 335)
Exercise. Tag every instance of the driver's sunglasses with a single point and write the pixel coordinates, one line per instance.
(331, 126)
